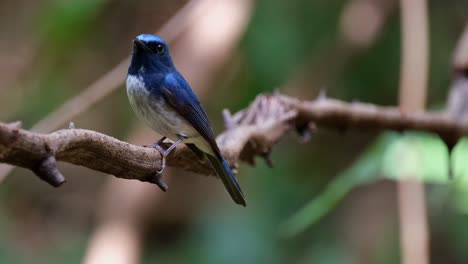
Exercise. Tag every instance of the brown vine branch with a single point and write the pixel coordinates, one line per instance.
(250, 132)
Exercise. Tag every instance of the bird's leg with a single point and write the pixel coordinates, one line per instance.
(157, 177)
(166, 153)
(158, 147)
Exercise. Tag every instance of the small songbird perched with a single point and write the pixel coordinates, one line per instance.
(164, 100)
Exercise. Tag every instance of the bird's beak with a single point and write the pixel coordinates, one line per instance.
(139, 44)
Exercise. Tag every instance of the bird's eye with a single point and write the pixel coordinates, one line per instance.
(160, 48)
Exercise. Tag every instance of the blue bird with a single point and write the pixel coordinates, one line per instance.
(163, 99)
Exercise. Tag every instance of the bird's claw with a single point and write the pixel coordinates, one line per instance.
(157, 145)
(157, 177)
(163, 165)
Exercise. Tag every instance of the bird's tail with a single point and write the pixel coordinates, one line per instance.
(228, 178)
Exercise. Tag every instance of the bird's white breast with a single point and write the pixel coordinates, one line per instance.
(156, 113)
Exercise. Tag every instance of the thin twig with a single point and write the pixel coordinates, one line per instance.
(414, 235)
(269, 118)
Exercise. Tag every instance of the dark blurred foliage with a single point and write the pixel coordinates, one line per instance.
(51, 49)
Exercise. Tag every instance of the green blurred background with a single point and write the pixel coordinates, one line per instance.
(331, 200)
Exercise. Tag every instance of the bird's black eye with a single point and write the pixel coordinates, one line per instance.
(159, 48)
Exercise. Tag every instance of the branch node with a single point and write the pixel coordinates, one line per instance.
(47, 170)
(47, 147)
(229, 122)
(156, 178)
(15, 126)
(322, 94)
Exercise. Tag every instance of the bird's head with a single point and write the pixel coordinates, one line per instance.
(150, 52)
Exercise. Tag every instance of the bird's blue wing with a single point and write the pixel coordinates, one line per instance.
(178, 94)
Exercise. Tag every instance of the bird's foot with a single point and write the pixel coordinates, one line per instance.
(162, 151)
(157, 177)
(163, 163)
(157, 145)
